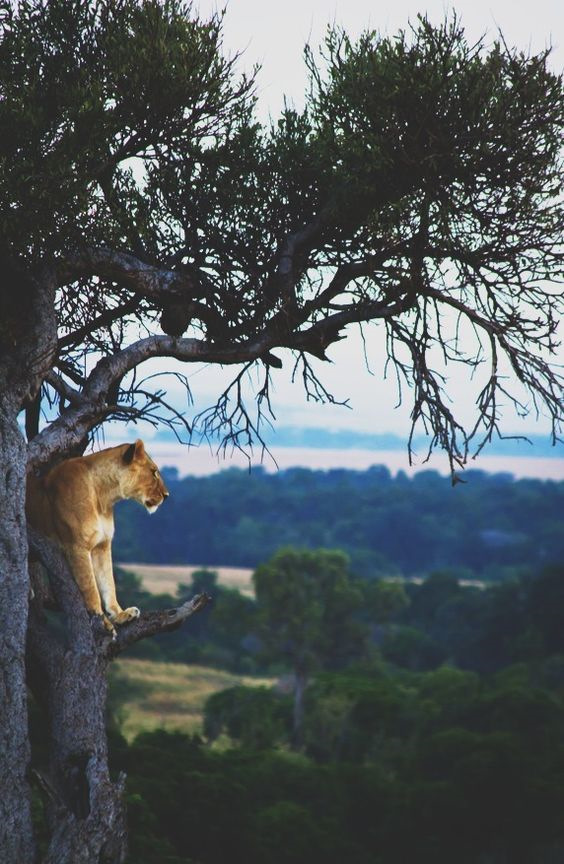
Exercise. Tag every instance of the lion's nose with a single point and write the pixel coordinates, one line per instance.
(166, 494)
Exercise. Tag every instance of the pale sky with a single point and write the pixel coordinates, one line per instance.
(273, 35)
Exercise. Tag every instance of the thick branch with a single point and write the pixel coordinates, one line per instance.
(150, 623)
(317, 338)
(143, 279)
(172, 290)
(348, 273)
(287, 270)
(63, 389)
(291, 316)
(75, 422)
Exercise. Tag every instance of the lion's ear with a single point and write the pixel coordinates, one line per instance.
(134, 451)
(129, 454)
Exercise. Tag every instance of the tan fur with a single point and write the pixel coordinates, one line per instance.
(73, 504)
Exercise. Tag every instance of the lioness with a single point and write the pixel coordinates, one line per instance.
(73, 504)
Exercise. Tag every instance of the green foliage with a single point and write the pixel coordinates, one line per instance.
(426, 104)
(491, 527)
(383, 600)
(472, 760)
(466, 794)
(411, 648)
(456, 732)
(309, 616)
(221, 635)
(292, 827)
(255, 717)
(306, 605)
(203, 582)
(353, 717)
(87, 86)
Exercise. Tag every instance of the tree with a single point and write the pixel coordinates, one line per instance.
(144, 212)
(256, 717)
(305, 604)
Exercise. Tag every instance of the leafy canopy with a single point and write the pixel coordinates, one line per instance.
(306, 604)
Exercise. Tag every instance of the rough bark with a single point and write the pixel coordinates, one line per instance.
(28, 337)
(67, 673)
(16, 839)
(300, 684)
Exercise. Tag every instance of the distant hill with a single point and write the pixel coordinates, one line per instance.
(489, 527)
(346, 439)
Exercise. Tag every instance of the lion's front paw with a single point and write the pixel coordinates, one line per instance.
(126, 615)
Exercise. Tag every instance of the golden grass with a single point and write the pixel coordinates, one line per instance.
(169, 696)
(164, 579)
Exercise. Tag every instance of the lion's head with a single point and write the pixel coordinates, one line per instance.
(142, 480)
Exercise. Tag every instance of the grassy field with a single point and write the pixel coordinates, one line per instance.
(163, 579)
(151, 695)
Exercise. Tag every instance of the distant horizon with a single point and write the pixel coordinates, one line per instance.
(317, 438)
(295, 447)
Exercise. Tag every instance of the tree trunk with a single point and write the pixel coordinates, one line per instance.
(85, 809)
(67, 674)
(16, 837)
(67, 666)
(300, 685)
(66, 669)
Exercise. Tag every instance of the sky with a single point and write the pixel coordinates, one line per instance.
(273, 35)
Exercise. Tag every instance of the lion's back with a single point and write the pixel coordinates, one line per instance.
(59, 503)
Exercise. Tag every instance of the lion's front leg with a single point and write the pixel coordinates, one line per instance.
(104, 573)
(80, 563)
